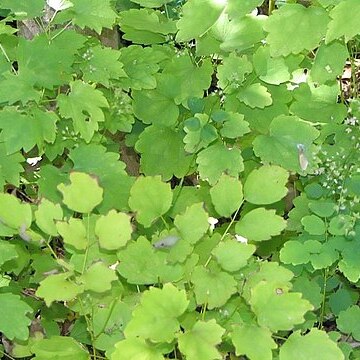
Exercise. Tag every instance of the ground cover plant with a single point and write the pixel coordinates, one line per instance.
(191, 191)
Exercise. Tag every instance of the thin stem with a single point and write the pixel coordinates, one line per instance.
(88, 244)
(6, 355)
(107, 319)
(271, 6)
(226, 230)
(322, 313)
(50, 248)
(8, 59)
(61, 31)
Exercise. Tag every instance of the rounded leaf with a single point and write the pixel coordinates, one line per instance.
(74, 194)
(266, 185)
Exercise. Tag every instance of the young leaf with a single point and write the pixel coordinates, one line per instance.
(218, 159)
(266, 185)
(58, 288)
(212, 287)
(193, 223)
(315, 344)
(195, 22)
(13, 321)
(305, 26)
(45, 215)
(255, 96)
(113, 230)
(156, 316)
(253, 341)
(136, 348)
(140, 263)
(73, 194)
(337, 27)
(260, 224)
(59, 347)
(98, 278)
(277, 309)
(73, 233)
(227, 195)
(233, 255)
(150, 198)
(83, 105)
(200, 342)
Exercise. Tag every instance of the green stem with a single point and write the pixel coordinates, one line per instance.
(8, 59)
(271, 6)
(88, 244)
(226, 230)
(322, 313)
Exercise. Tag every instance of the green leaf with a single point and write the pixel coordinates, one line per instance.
(140, 65)
(13, 213)
(59, 347)
(73, 194)
(98, 278)
(93, 14)
(156, 106)
(199, 133)
(253, 341)
(83, 105)
(218, 159)
(198, 78)
(280, 146)
(233, 255)
(94, 159)
(318, 104)
(314, 345)
(156, 316)
(101, 64)
(313, 225)
(51, 70)
(272, 70)
(349, 264)
(227, 195)
(194, 21)
(162, 152)
(136, 348)
(200, 342)
(234, 126)
(150, 198)
(140, 263)
(14, 322)
(260, 224)
(145, 26)
(23, 89)
(255, 95)
(320, 255)
(348, 321)
(10, 166)
(73, 233)
(236, 11)
(266, 185)
(151, 3)
(58, 288)
(242, 33)
(231, 73)
(45, 215)
(323, 208)
(113, 230)
(193, 223)
(329, 62)
(7, 252)
(340, 224)
(277, 309)
(337, 27)
(342, 299)
(305, 26)
(212, 287)
(24, 131)
(310, 289)
(24, 9)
